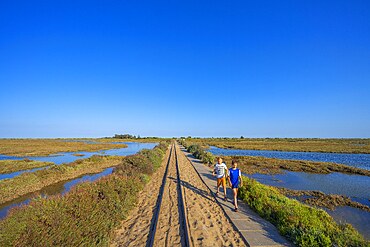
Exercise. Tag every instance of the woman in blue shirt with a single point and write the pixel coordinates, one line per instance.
(235, 180)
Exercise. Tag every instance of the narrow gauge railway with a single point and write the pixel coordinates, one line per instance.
(169, 226)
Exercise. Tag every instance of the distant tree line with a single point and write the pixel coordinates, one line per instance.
(125, 136)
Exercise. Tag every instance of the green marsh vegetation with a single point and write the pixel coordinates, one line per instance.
(88, 214)
(33, 181)
(44, 147)
(289, 144)
(304, 225)
(8, 166)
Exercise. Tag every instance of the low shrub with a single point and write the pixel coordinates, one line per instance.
(199, 153)
(304, 225)
(84, 216)
(146, 161)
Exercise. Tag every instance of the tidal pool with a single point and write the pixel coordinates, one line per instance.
(356, 160)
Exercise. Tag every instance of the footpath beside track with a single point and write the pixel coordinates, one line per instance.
(255, 230)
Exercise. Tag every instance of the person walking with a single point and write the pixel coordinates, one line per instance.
(235, 180)
(220, 171)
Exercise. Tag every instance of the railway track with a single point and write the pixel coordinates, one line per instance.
(169, 226)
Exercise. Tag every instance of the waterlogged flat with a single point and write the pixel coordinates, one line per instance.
(357, 160)
(64, 158)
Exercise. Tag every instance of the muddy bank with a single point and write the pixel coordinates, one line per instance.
(320, 199)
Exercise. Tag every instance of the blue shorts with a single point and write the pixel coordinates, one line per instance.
(235, 185)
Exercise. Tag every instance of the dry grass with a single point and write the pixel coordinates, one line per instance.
(8, 166)
(44, 147)
(289, 144)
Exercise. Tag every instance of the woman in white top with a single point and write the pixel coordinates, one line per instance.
(220, 171)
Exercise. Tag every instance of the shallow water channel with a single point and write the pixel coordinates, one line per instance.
(65, 186)
(355, 186)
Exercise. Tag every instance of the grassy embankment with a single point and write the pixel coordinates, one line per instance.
(88, 214)
(289, 144)
(33, 181)
(262, 165)
(304, 225)
(44, 147)
(8, 166)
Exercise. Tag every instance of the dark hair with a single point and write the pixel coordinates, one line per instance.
(234, 161)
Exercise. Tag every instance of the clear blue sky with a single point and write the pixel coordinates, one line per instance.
(173, 68)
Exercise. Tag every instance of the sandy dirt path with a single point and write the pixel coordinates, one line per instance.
(169, 231)
(208, 224)
(134, 230)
